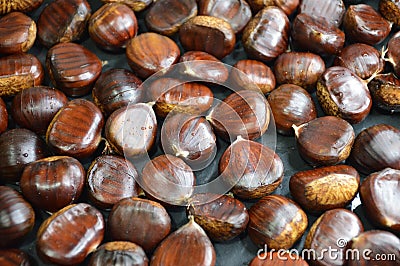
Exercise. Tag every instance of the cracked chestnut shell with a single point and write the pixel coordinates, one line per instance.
(332, 11)
(390, 10)
(385, 92)
(3, 116)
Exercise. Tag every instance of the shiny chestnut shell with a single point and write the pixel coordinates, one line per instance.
(135, 5)
(53, 183)
(390, 10)
(288, 6)
(277, 259)
(17, 217)
(385, 92)
(332, 10)
(393, 53)
(3, 116)
(63, 21)
(21, 5)
(76, 129)
(149, 227)
(73, 68)
(78, 225)
(14, 257)
(266, 36)
(39, 104)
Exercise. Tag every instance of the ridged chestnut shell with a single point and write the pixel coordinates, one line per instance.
(13, 256)
(288, 6)
(8, 6)
(332, 10)
(135, 5)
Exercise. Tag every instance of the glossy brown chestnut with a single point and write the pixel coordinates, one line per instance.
(334, 142)
(393, 52)
(131, 131)
(69, 235)
(168, 179)
(14, 257)
(3, 116)
(73, 69)
(362, 23)
(256, 72)
(53, 183)
(375, 149)
(277, 222)
(112, 26)
(17, 217)
(150, 52)
(385, 92)
(208, 34)
(390, 10)
(19, 147)
(17, 33)
(223, 218)
(332, 11)
(316, 35)
(19, 5)
(266, 36)
(288, 6)
(342, 93)
(244, 113)
(119, 252)
(18, 72)
(189, 245)
(39, 104)
(291, 105)
(377, 245)
(252, 169)
(150, 225)
(135, 5)
(362, 59)
(111, 178)
(236, 12)
(299, 68)
(324, 188)
(76, 129)
(63, 21)
(168, 23)
(333, 229)
(116, 88)
(277, 259)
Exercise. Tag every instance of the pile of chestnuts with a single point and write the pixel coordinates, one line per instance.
(199, 132)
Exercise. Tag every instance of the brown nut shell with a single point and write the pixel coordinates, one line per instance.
(393, 52)
(25, 6)
(332, 10)
(14, 257)
(277, 259)
(390, 9)
(288, 6)
(3, 116)
(385, 92)
(135, 5)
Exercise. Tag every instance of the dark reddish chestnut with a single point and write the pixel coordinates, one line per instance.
(116, 88)
(256, 72)
(3, 116)
(111, 178)
(316, 35)
(189, 245)
(390, 10)
(375, 149)
(131, 131)
(39, 104)
(52, 183)
(150, 225)
(332, 10)
(78, 225)
(342, 93)
(325, 188)
(291, 105)
(112, 26)
(251, 169)
(393, 52)
(333, 229)
(19, 147)
(236, 12)
(266, 36)
(135, 5)
(385, 92)
(379, 192)
(121, 252)
(63, 21)
(288, 6)
(277, 259)
(333, 144)
(17, 217)
(168, 23)
(76, 129)
(362, 23)
(17, 33)
(14, 257)
(223, 218)
(277, 222)
(19, 5)
(299, 68)
(72, 68)
(19, 72)
(150, 52)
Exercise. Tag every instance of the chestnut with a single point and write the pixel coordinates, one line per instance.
(291, 105)
(39, 104)
(19, 5)
(332, 10)
(390, 10)
(3, 116)
(288, 6)
(112, 26)
(72, 68)
(150, 225)
(76, 129)
(324, 188)
(135, 5)
(62, 21)
(17, 33)
(277, 259)
(52, 183)
(168, 23)
(14, 257)
(77, 225)
(17, 217)
(266, 36)
(385, 92)
(277, 222)
(334, 142)
(393, 52)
